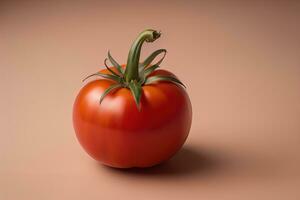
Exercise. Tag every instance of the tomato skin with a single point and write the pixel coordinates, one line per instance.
(117, 134)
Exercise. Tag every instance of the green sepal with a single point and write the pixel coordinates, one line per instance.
(106, 76)
(108, 90)
(157, 78)
(115, 64)
(136, 90)
(150, 69)
(111, 71)
(142, 77)
(152, 56)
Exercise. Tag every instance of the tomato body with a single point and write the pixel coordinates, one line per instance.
(120, 135)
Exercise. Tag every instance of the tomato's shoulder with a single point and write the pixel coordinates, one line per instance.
(96, 84)
(106, 71)
(162, 72)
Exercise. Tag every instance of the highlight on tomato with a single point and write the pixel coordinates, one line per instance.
(134, 115)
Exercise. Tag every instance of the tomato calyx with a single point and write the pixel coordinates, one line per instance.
(136, 73)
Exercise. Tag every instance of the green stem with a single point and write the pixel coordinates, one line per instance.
(132, 67)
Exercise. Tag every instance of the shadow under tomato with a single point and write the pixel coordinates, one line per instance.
(188, 161)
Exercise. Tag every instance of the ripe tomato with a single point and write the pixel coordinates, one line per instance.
(125, 126)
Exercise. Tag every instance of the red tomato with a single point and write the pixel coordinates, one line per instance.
(119, 134)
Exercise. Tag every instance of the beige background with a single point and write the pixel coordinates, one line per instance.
(241, 64)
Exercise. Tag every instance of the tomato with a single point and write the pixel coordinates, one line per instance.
(134, 123)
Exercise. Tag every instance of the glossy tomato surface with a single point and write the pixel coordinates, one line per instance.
(117, 134)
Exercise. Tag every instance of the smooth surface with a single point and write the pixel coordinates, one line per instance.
(239, 60)
(119, 134)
